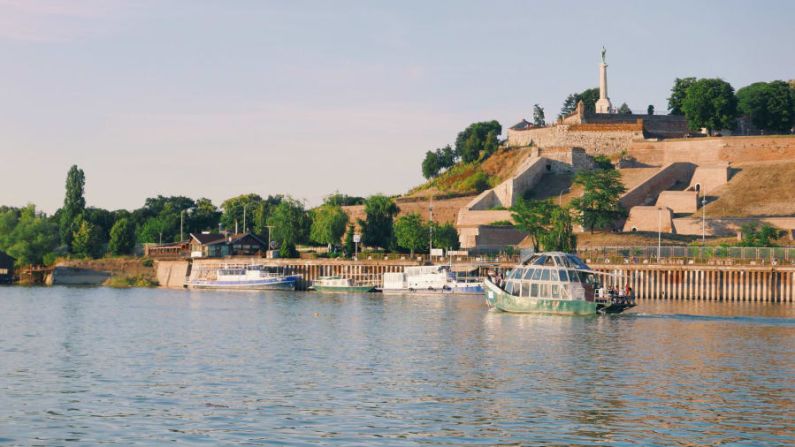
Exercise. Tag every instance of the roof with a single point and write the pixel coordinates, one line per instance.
(522, 125)
(207, 238)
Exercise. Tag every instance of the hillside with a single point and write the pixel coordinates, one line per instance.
(756, 189)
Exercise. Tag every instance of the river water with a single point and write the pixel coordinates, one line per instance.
(150, 367)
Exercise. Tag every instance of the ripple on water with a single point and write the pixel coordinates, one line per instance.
(120, 367)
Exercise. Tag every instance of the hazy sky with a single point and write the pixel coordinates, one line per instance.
(219, 98)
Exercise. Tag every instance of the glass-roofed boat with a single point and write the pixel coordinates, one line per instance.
(554, 283)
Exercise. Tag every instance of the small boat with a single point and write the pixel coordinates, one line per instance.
(250, 277)
(430, 279)
(554, 283)
(339, 284)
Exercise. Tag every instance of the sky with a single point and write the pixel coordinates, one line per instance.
(215, 99)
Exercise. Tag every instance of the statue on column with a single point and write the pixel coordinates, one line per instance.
(603, 54)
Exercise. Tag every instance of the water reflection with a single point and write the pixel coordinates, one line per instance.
(154, 366)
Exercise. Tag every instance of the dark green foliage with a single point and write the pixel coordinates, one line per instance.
(559, 234)
(85, 240)
(203, 217)
(73, 205)
(377, 227)
(588, 97)
(754, 235)
(26, 235)
(287, 250)
(678, 93)
(343, 200)
(599, 207)
(445, 236)
(650, 110)
(538, 116)
(769, 105)
(624, 109)
(290, 222)
(328, 224)
(602, 162)
(438, 160)
(349, 246)
(477, 141)
(532, 217)
(411, 233)
(122, 237)
(478, 182)
(710, 103)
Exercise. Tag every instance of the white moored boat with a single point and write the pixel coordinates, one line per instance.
(429, 279)
(250, 277)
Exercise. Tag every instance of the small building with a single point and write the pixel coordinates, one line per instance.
(216, 245)
(176, 250)
(6, 268)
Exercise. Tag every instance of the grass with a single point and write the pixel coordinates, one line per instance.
(128, 281)
(758, 189)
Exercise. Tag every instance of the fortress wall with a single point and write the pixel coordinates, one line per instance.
(527, 177)
(649, 218)
(595, 139)
(706, 151)
(679, 201)
(467, 218)
(649, 189)
(708, 178)
(484, 201)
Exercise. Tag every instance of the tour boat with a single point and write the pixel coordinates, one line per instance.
(250, 277)
(430, 279)
(340, 284)
(554, 283)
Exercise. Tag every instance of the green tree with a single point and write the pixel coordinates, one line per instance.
(599, 205)
(769, 105)
(474, 139)
(122, 237)
(754, 235)
(290, 222)
(343, 200)
(710, 103)
(650, 110)
(204, 216)
(377, 227)
(85, 240)
(588, 98)
(532, 217)
(26, 235)
(153, 231)
(445, 236)
(538, 116)
(446, 156)
(411, 233)
(602, 162)
(73, 205)
(559, 234)
(235, 208)
(430, 165)
(624, 109)
(328, 224)
(349, 245)
(678, 94)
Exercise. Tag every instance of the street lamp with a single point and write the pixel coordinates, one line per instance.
(659, 233)
(703, 218)
(245, 205)
(181, 223)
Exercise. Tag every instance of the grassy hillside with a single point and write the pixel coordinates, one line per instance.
(475, 177)
(757, 189)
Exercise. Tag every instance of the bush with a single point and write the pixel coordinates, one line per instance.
(126, 282)
(479, 181)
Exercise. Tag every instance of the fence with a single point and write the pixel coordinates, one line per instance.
(694, 254)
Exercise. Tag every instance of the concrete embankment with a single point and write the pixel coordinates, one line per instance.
(74, 276)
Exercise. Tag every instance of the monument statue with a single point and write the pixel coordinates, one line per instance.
(603, 105)
(603, 54)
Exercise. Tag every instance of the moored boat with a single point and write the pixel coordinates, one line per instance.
(554, 283)
(339, 284)
(250, 277)
(430, 279)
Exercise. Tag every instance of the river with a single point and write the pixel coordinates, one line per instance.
(89, 366)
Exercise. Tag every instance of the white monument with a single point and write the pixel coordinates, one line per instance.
(603, 104)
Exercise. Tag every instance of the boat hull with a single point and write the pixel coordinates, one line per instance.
(499, 299)
(343, 289)
(287, 283)
(466, 290)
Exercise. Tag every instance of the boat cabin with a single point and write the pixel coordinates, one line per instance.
(553, 276)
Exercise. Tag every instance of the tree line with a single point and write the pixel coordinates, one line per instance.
(475, 143)
(79, 231)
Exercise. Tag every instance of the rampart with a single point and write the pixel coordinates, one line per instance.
(647, 191)
(709, 151)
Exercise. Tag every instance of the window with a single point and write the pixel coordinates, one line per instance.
(529, 274)
(563, 275)
(540, 261)
(555, 291)
(537, 274)
(543, 290)
(3, 271)
(525, 289)
(545, 275)
(575, 277)
(553, 275)
(509, 287)
(558, 261)
(534, 290)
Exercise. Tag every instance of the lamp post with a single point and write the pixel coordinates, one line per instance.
(659, 233)
(703, 219)
(245, 205)
(181, 223)
(269, 227)
(430, 226)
